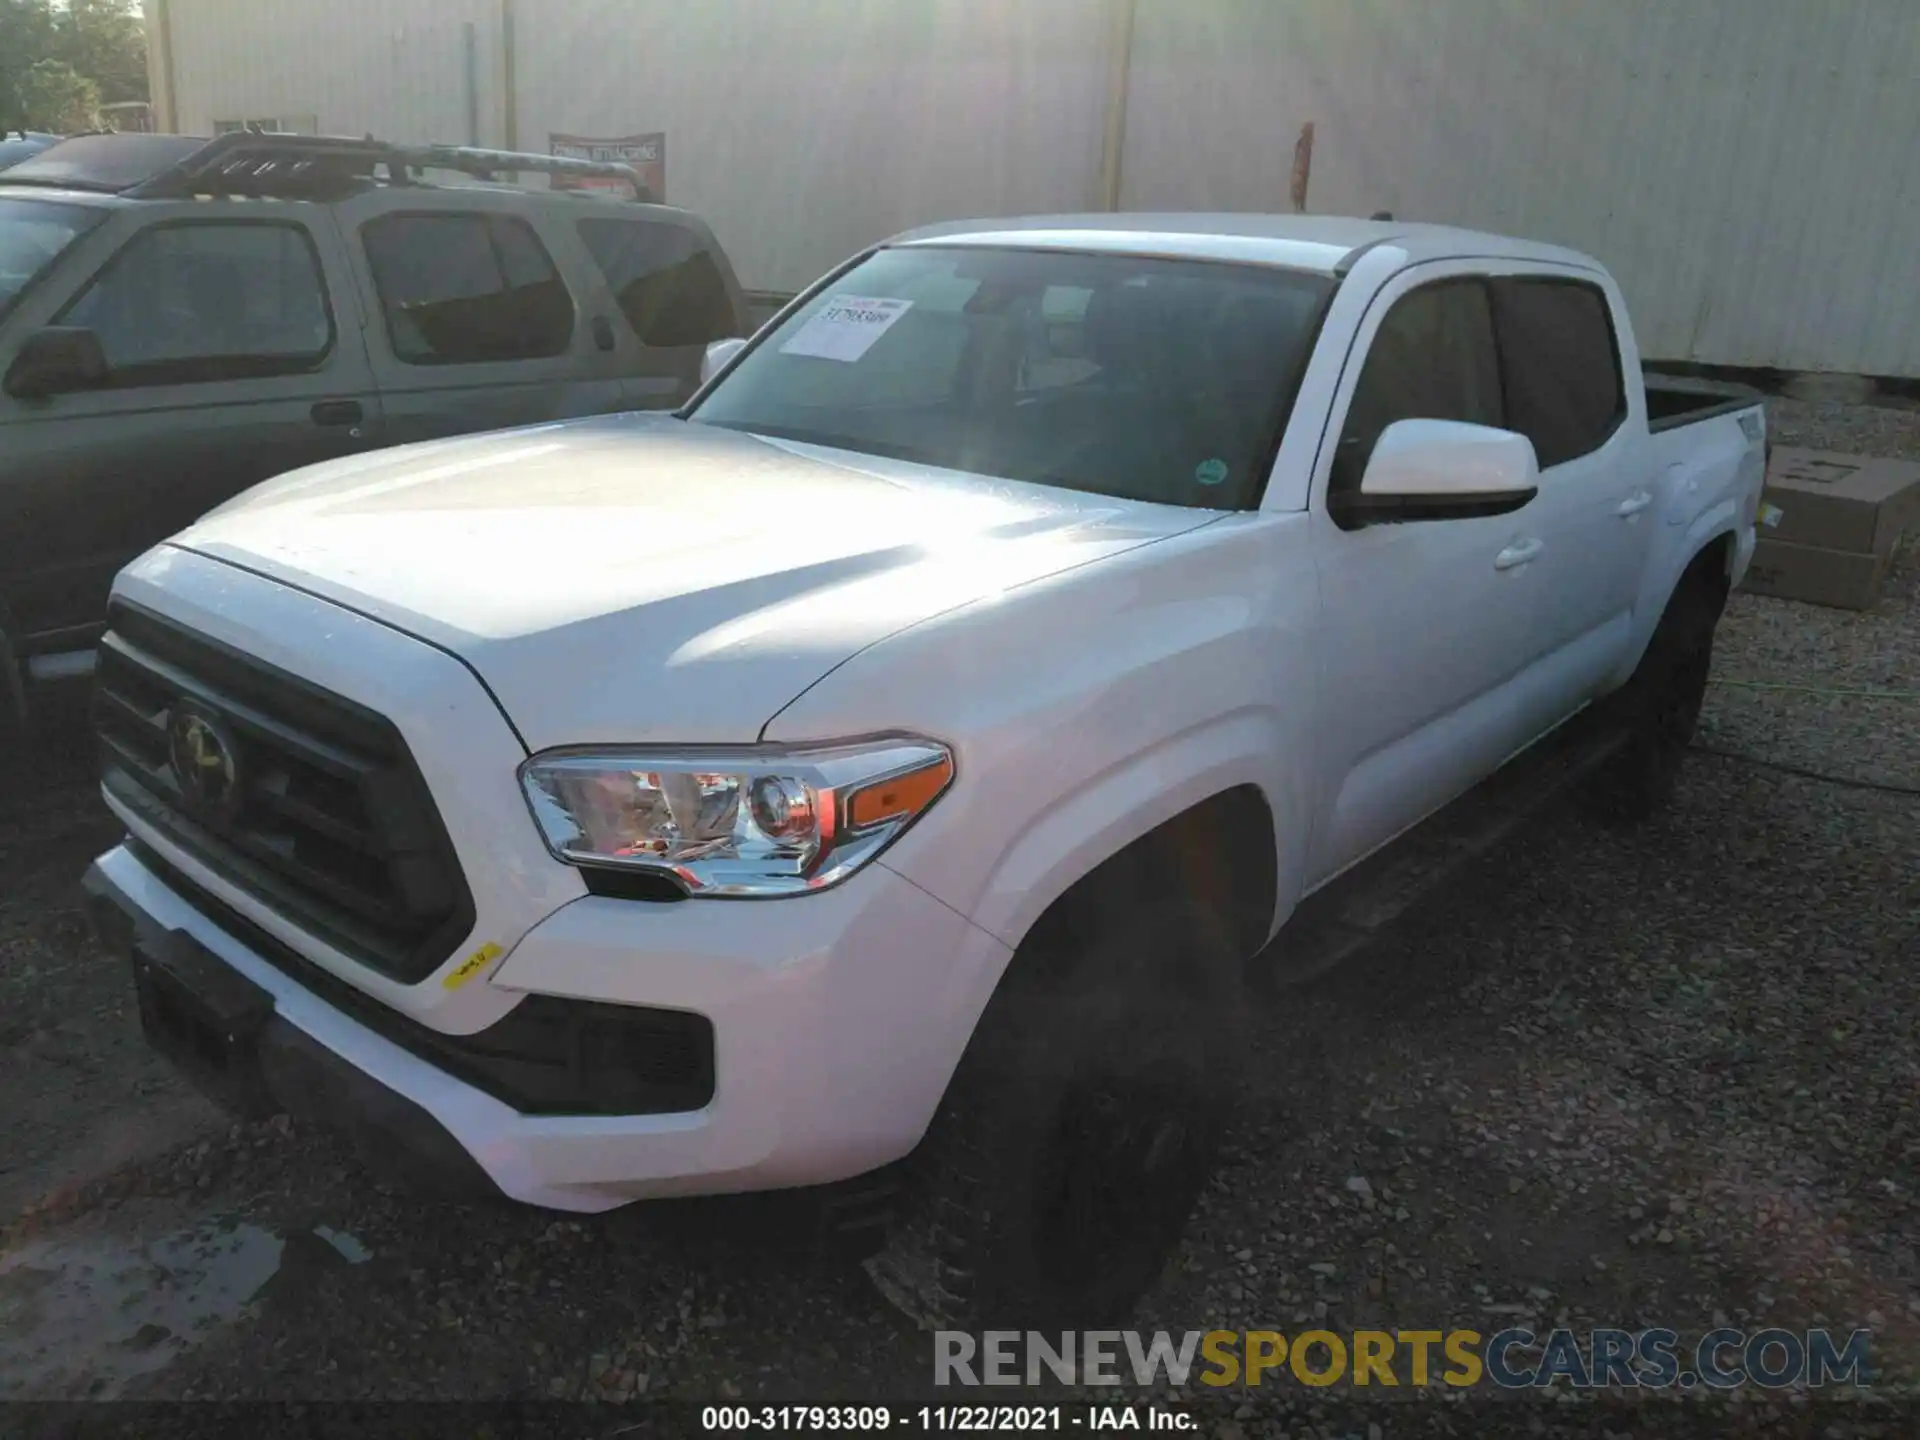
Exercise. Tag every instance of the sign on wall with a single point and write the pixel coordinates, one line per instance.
(645, 153)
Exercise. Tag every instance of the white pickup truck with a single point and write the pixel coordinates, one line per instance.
(899, 752)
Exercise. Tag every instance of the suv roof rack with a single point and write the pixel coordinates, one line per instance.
(265, 165)
(259, 163)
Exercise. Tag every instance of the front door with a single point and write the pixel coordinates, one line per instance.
(229, 361)
(1426, 625)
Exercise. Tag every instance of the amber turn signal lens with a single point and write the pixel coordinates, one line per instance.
(903, 795)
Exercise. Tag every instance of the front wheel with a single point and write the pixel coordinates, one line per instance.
(1083, 1124)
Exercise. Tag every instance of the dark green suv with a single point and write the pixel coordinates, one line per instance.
(183, 318)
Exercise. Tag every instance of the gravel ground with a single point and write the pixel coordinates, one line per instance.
(83, 1094)
(1666, 1077)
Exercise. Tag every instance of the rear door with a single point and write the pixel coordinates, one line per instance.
(676, 295)
(234, 354)
(1565, 383)
(485, 314)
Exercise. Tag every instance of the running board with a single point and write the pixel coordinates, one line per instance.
(1352, 911)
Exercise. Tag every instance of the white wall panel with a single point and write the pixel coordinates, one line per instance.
(806, 131)
(1748, 168)
(396, 67)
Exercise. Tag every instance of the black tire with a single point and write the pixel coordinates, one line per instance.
(1083, 1123)
(14, 728)
(1660, 705)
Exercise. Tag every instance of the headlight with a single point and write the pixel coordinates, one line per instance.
(753, 821)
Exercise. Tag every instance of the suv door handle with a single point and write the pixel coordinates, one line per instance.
(338, 412)
(1634, 504)
(603, 332)
(1521, 552)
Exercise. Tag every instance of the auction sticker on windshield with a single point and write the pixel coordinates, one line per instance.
(846, 327)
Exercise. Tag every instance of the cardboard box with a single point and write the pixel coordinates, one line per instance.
(1825, 577)
(1832, 501)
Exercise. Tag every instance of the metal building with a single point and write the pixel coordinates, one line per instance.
(1747, 167)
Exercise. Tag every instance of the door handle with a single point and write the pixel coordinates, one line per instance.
(338, 412)
(1521, 552)
(603, 332)
(1634, 504)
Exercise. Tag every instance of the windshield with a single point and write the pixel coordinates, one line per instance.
(22, 147)
(32, 235)
(1146, 379)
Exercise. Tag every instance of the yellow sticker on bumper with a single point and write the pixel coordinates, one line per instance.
(472, 966)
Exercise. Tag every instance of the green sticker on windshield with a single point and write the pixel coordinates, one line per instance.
(1210, 472)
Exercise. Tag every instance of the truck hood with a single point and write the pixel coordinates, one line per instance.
(640, 579)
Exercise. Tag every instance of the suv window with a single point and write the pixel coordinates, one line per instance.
(1432, 358)
(202, 301)
(462, 289)
(34, 234)
(665, 278)
(1561, 364)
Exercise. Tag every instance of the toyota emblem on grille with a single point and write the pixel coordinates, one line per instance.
(205, 760)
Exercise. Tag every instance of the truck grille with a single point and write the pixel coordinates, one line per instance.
(308, 802)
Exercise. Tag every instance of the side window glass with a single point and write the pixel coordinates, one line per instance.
(1431, 359)
(1561, 365)
(463, 289)
(666, 280)
(188, 303)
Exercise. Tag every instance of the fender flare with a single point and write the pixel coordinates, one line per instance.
(1136, 796)
(1665, 573)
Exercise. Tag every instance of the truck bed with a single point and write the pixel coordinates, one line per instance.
(1674, 400)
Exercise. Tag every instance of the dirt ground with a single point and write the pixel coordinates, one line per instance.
(1662, 1077)
(83, 1096)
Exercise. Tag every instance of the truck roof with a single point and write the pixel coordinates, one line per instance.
(1324, 243)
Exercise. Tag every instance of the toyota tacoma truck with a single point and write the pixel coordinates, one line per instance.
(899, 760)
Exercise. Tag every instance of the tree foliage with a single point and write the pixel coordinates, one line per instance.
(59, 62)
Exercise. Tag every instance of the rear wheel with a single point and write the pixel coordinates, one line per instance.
(13, 714)
(1083, 1124)
(1661, 705)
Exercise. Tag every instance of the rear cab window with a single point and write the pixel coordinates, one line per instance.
(467, 288)
(665, 278)
(1560, 364)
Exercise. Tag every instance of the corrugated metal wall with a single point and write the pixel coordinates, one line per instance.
(397, 67)
(1747, 167)
(806, 131)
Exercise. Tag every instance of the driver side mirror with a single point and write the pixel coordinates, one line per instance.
(55, 361)
(1440, 470)
(719, 353)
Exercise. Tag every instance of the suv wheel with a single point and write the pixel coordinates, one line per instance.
(1083, 1123)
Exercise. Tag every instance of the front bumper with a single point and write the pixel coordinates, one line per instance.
(836, 1019)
